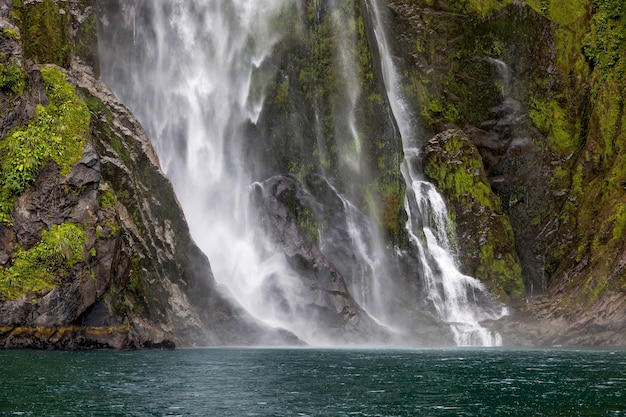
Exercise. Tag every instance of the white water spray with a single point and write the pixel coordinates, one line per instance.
(196, 77)
(452, 294)
(194, 90)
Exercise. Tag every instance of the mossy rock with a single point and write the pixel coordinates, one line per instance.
(39, 268)
(319, 120)
(54, 31)
(45, 30)
(486, 240)
(57, 133)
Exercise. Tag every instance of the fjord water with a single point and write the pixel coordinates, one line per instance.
(312, 382)
(196, 73)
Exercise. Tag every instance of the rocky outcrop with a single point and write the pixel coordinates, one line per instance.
(95, 252)
(99, 256)
(285, 210)
(485, 237)
(314, 104)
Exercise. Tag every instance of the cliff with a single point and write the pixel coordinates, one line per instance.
(95, 251)
(537, 88)
(521, 115)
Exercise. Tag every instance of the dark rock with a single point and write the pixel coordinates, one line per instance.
(7, 244)
(162, 345)
(283, 202)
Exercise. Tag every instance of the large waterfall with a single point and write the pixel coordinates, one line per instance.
(234, 95)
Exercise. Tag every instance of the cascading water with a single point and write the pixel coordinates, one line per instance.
(197, 74)
(189, 78)
(452, 294)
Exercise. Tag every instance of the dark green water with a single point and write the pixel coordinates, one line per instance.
(314, 382)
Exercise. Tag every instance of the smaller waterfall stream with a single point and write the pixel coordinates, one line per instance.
(459, 300)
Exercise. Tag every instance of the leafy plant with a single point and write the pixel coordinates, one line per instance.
(106, 198)
(11, 75)
(57, 133)
(40, 267)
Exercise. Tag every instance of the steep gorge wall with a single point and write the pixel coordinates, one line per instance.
(538, 88)
(533, 90)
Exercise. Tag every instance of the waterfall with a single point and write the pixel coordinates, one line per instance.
(458, 299)
(201, 75)
(189, 76)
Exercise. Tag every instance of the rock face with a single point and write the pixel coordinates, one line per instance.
(309, 224)
(537, 90)
(285, 207)
(485, 237)
(523, 105)
(123, 269)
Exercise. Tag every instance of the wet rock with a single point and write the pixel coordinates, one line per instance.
(485, 237)
(285, 209)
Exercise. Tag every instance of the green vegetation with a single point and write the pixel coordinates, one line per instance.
(11, 34)
(590, 45)
(466, 83)
(50, 261)
(605, 43)
(326, 112)
(308, 223)
(45, 31)
(106, 198)
(459, 172)
(57, 133)
(482, 7)
(136, 284)
(498, 268)
(85, 41)
(554, 123)
(12, 77)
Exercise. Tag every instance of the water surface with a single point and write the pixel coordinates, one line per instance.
(314, 382)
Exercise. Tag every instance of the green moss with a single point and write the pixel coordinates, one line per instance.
(308, 223)
(609, 100)
(501, 273)
(12, 77)
(620, 223)
(85, 41)
(482, 7)
(45, 32)
(281, 96)
(308, 103)
(106, 198)
(464, 180)
(40, 267)
(553, 122)
(563, 12)
(605, 43)
(466, 84)
(57, 133)
(11, 34)
(435, 112)
(136, 283)
(594, 215)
